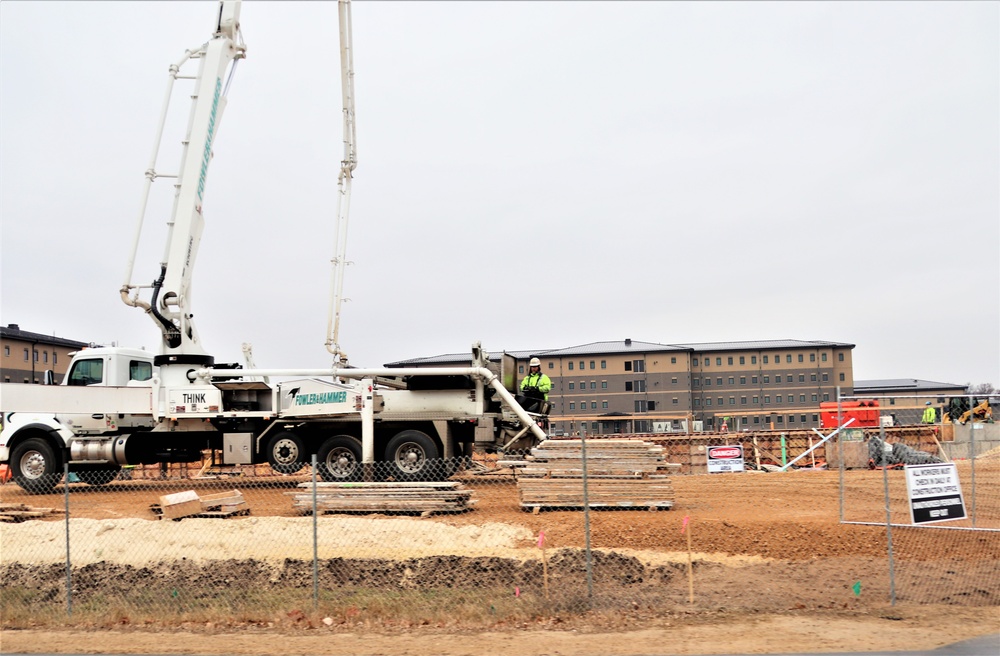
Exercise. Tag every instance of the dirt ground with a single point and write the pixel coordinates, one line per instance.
(774, 573)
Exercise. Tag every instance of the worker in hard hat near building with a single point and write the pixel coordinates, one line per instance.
(930, 416)
(535, 387)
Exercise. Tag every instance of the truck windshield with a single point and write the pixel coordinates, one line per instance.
(87, 372)
(139, 370)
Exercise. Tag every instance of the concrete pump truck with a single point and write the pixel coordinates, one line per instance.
(119, 406)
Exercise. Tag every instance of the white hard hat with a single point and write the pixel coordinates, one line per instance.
(928, 403)
(535, 362)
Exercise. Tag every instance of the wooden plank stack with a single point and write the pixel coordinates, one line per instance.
(179, 505)
(19, 512)
(396, 497)
(620, 474)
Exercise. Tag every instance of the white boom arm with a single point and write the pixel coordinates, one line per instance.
(347, 166)
(170, 299)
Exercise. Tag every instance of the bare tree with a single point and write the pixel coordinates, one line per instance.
(982, 389)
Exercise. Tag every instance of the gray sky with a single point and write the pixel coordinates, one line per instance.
(531, 174)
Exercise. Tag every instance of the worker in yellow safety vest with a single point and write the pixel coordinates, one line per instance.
(930, 416)
(535, 387)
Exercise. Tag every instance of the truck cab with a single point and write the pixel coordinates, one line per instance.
(110, 367)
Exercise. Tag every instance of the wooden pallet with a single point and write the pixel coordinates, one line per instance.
(620, 474)
(19, 512)
(416, 497)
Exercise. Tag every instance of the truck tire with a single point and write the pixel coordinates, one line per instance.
(413, 456)
(339, 458)
(35, 466)
(285, 453)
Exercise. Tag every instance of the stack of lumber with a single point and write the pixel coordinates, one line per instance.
(415, 497)
(188, 504)
(620, 474)
(19, 512)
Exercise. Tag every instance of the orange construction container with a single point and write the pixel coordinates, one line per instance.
(864, 413)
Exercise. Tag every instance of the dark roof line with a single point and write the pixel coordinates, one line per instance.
(13, 331)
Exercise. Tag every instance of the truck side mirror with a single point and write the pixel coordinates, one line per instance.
(49, 378)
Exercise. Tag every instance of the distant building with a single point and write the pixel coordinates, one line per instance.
(630, 386)
(905, 398)
(25, 356)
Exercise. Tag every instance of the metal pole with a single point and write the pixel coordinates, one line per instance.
(888, 525)
(840, 452)
(586, 516)
(69, 568)
(315, 539)
(972, 456)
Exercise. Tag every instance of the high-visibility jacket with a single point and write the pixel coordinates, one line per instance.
(930, 416)
(539, 380)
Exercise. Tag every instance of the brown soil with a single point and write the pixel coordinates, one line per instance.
(774, 570)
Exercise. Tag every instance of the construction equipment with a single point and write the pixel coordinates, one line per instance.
(981, 413)
(120, 407)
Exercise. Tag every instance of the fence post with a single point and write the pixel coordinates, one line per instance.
(972, 456)
(888, 523)
(69, 565)
(840, 449)
(586, 516)
(315, 513)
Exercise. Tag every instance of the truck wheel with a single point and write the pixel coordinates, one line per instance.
(35, 466)
(285, 452)
(413, 456)
(340, 459)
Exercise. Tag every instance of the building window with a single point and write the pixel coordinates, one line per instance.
(628, 385)
(781, 419)
(673, 359)
(722, 401)
(767, 400)
(815, 417)
(551, 365)
(842, 379)
(788, 358)
(696, 382)
(802, 418)
(743, 360)
(753, 380)
(802, 399)
(822, 357)
(520, 369)
(45, 357)
(652, 405)
(730, 359)
(673, 381)
(640, 386)
(697, 402)
(593, 365)
(777, 379)
(581, 365)
(743, 380)
(708, 362)
(25, 359)
(604, 364)
(812, 377)
(53, 357)
(583, 384)
(753, 359)
(694, 362)
(628, 365)
(572, 406)
(604, 404)
(593, 405)
(571, 386)
(732, 381)
(674, 400)
(718, 361)
(814, 398)
(826, 377)
(802, 378)
(569, 365)
(765, 359)
(732, 400)
(640, 405)
(826, 397)
(604, 384)
(6, 351)
(767, 379)
(718, 381)
(708, 401)
(743, 400)
(812, 357)
(34, 353)
(708, 382)
(756, 420)
(800, 357)
(593, 384)
(777, 399)
(791, 398)
(840, 356)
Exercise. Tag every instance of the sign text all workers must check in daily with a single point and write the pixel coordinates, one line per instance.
(935, 493)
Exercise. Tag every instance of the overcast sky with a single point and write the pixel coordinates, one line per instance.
(531, 174)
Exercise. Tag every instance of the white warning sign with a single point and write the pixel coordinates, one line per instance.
(935, 493)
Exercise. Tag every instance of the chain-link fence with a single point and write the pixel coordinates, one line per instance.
(486, 540)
